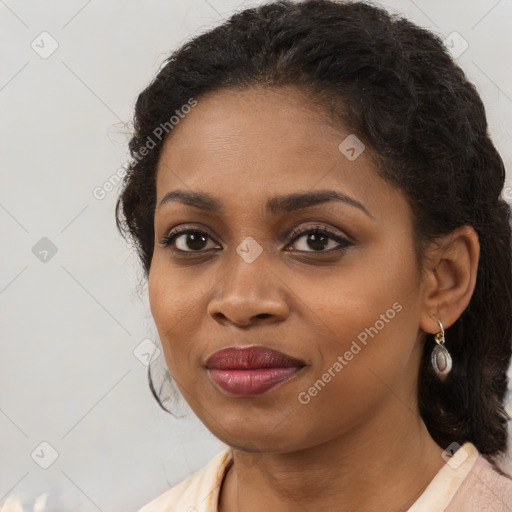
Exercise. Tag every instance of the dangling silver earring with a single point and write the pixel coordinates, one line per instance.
(441, 359)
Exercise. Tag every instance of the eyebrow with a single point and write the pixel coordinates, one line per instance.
(276, 205)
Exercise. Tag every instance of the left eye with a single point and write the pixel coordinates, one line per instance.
(318, 238)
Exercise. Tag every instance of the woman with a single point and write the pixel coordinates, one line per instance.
(317, 207)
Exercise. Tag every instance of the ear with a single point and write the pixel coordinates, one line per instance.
(451, 268)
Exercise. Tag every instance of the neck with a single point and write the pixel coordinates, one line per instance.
(390, 460)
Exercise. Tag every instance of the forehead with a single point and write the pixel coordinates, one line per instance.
(260, 142)
(232, 123)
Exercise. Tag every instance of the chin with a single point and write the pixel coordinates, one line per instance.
(255, 437)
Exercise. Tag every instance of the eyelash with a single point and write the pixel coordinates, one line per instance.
(297, 233)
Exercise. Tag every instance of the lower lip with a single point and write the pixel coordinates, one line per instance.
(250, 382)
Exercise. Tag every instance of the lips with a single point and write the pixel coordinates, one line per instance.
(251, 371)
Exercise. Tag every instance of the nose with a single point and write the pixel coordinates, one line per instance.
(249, 293)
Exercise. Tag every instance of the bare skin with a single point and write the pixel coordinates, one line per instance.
(359, 443)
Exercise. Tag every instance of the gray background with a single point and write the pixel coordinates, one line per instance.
(74, 321)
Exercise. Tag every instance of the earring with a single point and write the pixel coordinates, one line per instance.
(441, 359)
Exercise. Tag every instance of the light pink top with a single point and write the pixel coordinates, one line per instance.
(466, 483)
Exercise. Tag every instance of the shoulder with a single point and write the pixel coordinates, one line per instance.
(198, 492)
(484, 489)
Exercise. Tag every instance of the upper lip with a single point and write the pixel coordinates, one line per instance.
(247, 358)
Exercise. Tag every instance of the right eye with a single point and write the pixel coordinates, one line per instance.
(191, 240)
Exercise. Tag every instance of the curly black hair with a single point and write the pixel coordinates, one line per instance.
(396, 87)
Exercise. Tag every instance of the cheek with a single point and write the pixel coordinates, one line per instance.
(177, 305)
(366, 285)
(171, 294)
(368, 312)
(168, 307)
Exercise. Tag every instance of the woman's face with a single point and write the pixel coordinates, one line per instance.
(344, 306)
